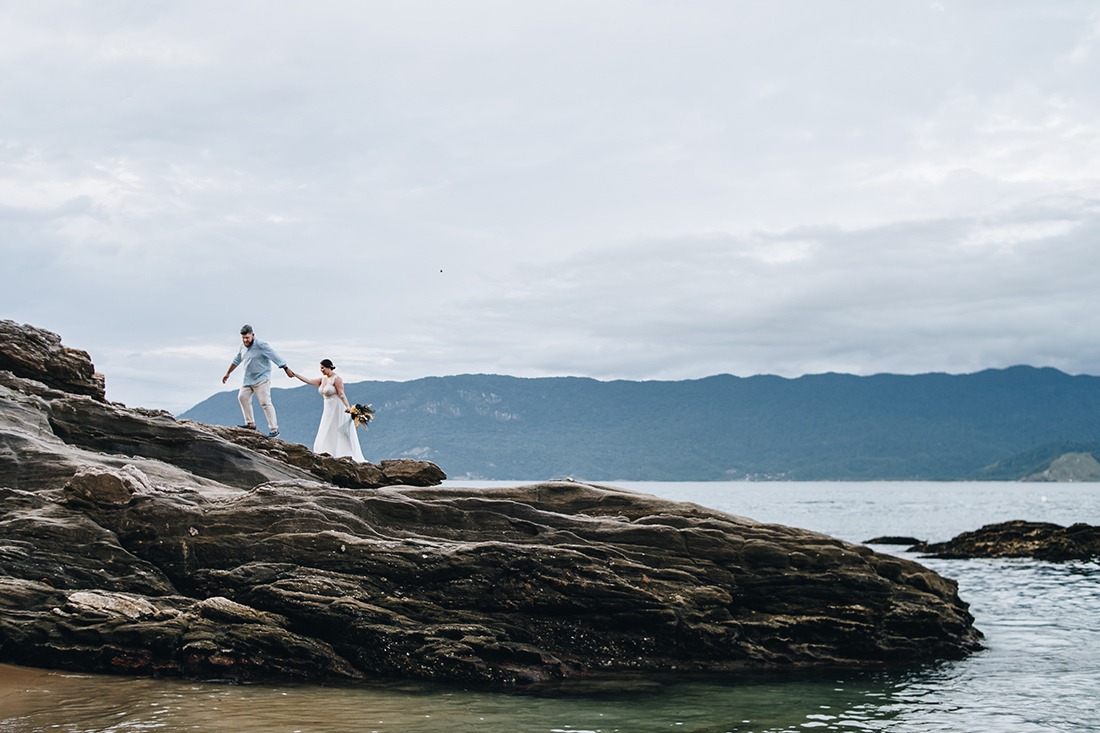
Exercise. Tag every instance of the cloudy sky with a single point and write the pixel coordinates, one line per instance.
(647, 189)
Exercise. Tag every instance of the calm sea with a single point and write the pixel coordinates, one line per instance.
(1041, 671)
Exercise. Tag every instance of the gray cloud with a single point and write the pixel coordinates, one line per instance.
(942, 295)
(643, 190)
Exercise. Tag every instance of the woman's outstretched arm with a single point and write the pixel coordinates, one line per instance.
(315, 382)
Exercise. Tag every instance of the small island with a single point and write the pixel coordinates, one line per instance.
(133, 542)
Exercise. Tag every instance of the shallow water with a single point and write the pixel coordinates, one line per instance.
(1040, 672)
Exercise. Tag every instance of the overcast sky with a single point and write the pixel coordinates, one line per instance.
(637, 190)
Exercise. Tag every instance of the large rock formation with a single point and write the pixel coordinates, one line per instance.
(133, 542)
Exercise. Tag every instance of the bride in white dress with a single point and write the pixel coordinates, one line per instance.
(336, 435)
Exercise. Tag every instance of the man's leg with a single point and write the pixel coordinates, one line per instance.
(244, 396)
(263, 391)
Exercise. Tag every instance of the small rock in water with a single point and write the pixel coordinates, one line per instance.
(894, 540)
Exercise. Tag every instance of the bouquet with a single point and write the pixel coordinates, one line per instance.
(361, 415)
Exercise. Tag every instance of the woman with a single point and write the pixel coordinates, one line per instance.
(336, 435)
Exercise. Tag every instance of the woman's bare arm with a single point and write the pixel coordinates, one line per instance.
(340, 391)
(315, 382)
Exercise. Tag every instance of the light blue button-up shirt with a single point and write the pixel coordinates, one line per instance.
(257, 360)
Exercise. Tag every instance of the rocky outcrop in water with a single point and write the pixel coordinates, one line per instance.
(894, 540)
(133, 542)
(1018, 538)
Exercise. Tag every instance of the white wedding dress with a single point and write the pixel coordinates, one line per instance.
(336, 434)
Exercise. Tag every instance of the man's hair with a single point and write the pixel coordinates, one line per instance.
(246, 329)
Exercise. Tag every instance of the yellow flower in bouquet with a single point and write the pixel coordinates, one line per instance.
(361, 415)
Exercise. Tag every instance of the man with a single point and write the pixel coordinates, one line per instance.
(257, 357)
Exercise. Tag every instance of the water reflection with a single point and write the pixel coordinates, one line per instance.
(35, 700)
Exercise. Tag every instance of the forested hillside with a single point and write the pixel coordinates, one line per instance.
(818, 427)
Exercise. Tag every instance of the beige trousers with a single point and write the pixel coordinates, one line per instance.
(263, 391)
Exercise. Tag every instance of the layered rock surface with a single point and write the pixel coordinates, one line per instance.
(133, 542)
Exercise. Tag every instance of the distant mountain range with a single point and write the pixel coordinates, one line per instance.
(1001, 424)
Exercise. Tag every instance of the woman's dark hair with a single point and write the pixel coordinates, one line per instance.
(327, 364)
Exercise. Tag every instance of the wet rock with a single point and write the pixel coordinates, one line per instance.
(1018, 538)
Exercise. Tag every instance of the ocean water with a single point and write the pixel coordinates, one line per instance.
(1040, 671)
